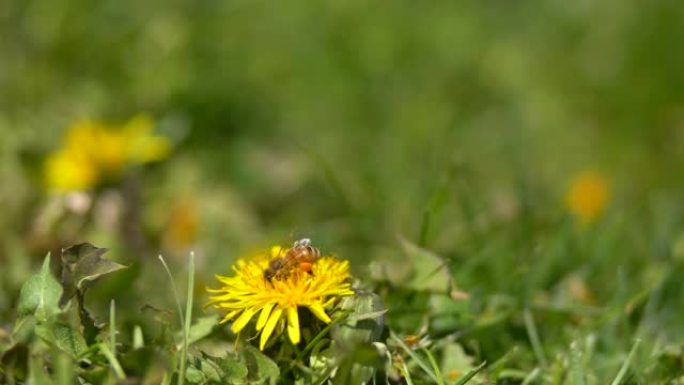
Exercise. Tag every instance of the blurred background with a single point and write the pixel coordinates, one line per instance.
(534, 147)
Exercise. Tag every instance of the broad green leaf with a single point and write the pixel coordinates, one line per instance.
(455, 362)
(430, 271)
(261, 369)
(40, 295)
(199, 329)
(63, 337)
(211, 370)
(364, 322)
(81, 264)
(194, 375)
(234, 371)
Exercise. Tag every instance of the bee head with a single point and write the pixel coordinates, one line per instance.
(303, 242)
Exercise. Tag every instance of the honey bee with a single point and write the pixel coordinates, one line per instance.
(300, 257)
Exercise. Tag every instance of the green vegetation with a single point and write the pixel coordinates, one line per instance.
(504, 178)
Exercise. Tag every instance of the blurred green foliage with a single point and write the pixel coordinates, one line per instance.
(456, 125)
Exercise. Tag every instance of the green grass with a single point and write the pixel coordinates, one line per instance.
(431, 145)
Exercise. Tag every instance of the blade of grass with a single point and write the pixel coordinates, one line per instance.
(531, 377)
(405, 373)
(504, 359)
(112, 327)
(623, 370)
(435, 367)
(173, 288)
(469, 376)
(534, 337)
(424, 229)
(64, 371)
(576, 371)
(188, 317)
(138, 339)
(415, 357)
(113, 362)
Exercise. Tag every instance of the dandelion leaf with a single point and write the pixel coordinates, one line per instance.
(234, 371)
(430, 271)
(40, 295)
(455, 363)
(81, 264)
(364, 322)
(64, 337)
(199, 329)
(195, 376)
(260, 368)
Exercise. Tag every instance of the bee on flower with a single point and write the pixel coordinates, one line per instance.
(587, 196)
(275, 284)
(93, 153)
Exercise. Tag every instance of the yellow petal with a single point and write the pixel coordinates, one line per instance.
(270, 325)
(229, 316)
(263, 317)
(293, 325)
(276, 250)
(319, 312)
(242, 320)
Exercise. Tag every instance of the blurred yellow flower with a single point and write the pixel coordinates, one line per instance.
(182, 225)
(277, 300)
(588, 195)
(94, 152)
(69, 170)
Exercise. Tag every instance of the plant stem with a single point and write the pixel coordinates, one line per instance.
(188, 318)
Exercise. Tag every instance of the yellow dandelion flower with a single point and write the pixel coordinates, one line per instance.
(141, 145)
(588, 195)
(69, 171)
(101, 146)
(94, 152)
(316, 287)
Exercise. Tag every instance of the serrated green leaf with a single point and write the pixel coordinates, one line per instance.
(211, 370)
(81, 264)
(261, 369)
(194, 375)
(40, 295)
(364, 322)
(63, 337)
(234, 371)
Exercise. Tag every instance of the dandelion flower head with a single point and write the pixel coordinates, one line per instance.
(316, 286)
(93, 152)
(588, 195)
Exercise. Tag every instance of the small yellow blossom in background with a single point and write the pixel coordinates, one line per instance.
(588, 195)
(248, 292)
(94, 152)
(182, 226)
